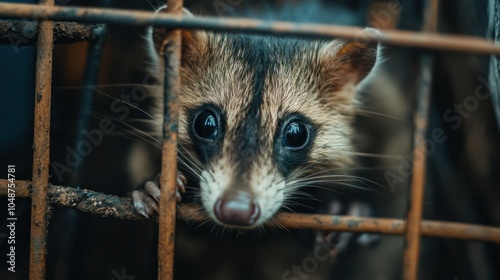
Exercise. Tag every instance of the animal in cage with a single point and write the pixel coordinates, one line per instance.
(272, 124)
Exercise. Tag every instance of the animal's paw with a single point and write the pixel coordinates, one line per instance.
(339, 241)
(147, 198)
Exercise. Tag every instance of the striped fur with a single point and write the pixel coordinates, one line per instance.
(258, 82)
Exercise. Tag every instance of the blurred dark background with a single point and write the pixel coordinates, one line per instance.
(462, 172)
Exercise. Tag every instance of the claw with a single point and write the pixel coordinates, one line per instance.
(181, 182)
(146, 200)
(139, 203)
(341, 240)
(153, 190)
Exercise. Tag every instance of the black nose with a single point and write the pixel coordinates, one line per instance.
(237, 209)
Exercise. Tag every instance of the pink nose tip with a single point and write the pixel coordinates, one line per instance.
(237, 209)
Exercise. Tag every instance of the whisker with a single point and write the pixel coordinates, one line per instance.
(106, 86)
(295, 203)
(294, 188)
(368, 112)
(153, 139)
(189, 163)
(189, 169)
(133, 139)
(370, 155)
(275, 225)
(333, 182)
(129, 104)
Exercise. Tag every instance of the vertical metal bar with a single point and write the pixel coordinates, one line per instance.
(171, 50)
(431, 16)
(414, 216)
(41, 149)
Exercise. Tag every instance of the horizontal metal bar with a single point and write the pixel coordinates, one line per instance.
(128, 17)
(387, 226)
(58, 195)
(84, 200)
(23, 32)
(23, 188)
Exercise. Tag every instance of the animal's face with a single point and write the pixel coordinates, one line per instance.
(258, 113)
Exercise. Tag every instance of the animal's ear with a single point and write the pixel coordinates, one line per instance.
(194, 42)
(347, 63)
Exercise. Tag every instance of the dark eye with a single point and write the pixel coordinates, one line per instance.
(205, 125)
(296, 135)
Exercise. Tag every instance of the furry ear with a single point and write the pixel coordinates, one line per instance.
(347, 63)
(194, 42)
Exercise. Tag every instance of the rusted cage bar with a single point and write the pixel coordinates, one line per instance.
(40, 207)
(416, 200)
(128, 17)
(21, 33)
(119, 207)
(171, 50)
(414, 215)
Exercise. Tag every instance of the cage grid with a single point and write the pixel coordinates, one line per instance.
(43, 193)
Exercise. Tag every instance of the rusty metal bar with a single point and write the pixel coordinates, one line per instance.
(40, 208)
(416, 199)
(387, 226)
(128, 17)
(171, 52)
(82, 199)
(23, 32)
(23, 188)
(111, 206)
(94, 202)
